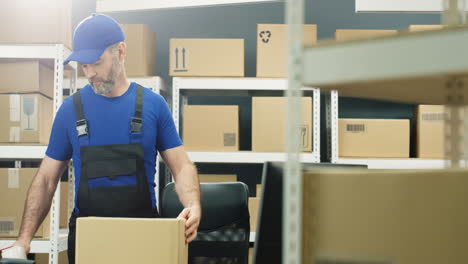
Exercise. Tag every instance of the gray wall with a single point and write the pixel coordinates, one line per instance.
(240, 22)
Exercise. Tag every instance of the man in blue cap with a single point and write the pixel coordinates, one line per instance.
(113, 129)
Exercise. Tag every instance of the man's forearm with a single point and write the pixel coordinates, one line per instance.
(188, 186)
(37, 206)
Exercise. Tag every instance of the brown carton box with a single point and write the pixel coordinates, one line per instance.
(64, 217)
(130, 240)
(392, 216)
(430, 137)
(373, 138)
(254, 204)
(217, 177)
(40, 78)
(36, 22)
(259, 190)
(25, 118)
(272, 40)
(269, 124)
(44, 258)
(14, 186)
(211, 127)
(141, 50)
(206, 57)
(353, 34)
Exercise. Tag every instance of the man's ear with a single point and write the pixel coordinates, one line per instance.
(122, 51)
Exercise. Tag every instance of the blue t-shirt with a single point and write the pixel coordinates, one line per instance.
(109, 121)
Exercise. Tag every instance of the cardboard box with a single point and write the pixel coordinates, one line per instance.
(354, 34)
(25, 118)
(40, 78)
(14, 186)
(206, 57)
(217, 177)
(36, 22)
(269, 124)
(414, 28)
(64, 217)
(130, 240)
(141, 50)
(211, 127)
(272, 48)
(259, 190)
(373, 138)
(44, 258)
(430, 131)
(392, 216)
(251, 252)
(254, 204)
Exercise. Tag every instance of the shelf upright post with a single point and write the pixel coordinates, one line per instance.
(292, 189)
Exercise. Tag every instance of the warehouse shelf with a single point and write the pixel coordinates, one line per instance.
(411, 163)
(39, 245)
(245, 157)
(184, 86)
(410, 67)
(54, 54)
(22, 152)
(122, 5)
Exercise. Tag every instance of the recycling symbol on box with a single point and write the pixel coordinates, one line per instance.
(265, 36)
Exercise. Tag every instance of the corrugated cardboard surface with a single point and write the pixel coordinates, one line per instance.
(430, 139)
(393, 216)
(254, 204)
(141, 50)
(26, 77)
(217, 177)
(353, 34)
(272, 48)
(211, 127)
(64, 217)
(36, 22)
(269, 123)
(130, 240)
(414, 28)
(14, 186)
(373, 138)
(259, 190)
(25, 118)
(206, 57)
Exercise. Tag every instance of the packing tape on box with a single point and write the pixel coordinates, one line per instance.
(15, 134)
(13, 178)
(15, 107)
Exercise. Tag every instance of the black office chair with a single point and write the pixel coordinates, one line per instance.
(223, 234)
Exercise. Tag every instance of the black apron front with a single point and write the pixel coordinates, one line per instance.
(111, 161)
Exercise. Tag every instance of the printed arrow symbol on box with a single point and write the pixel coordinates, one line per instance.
(183, 58)
(177, 58)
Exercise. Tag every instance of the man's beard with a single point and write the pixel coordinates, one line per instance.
(107, 86)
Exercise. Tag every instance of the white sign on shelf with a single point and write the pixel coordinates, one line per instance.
(401, 5)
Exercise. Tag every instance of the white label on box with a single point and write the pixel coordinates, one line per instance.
(29, 113)
(7, 225)
(15, 134)
(15, 108)
(13, 178)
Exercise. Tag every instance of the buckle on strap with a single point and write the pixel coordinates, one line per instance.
(136, 125)
(82, 127)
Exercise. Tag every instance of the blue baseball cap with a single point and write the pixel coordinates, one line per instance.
(92, 36)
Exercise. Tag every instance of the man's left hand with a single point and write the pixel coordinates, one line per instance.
(193, 216)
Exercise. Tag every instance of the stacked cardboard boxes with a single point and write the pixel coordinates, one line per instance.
(430, 129)
(14, 185)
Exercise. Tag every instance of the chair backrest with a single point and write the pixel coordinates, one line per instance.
(223, 234)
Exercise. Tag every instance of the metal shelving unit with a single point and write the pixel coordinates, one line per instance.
(424, 67)
(185, 86)
(57, 241)
(141, 5)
